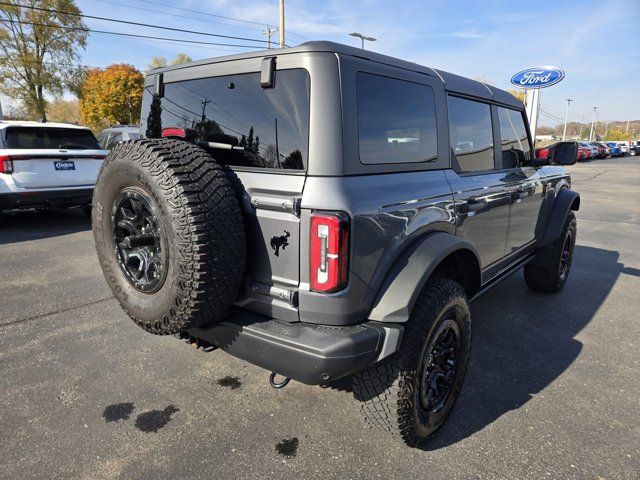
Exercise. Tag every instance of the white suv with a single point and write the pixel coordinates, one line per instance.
(47, 164)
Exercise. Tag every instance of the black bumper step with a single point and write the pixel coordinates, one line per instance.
(311, 354)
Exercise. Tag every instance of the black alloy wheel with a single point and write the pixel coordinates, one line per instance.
(439, 366)
(139, 239)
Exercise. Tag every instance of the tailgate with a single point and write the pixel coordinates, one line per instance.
(56, 168)
(272, 224)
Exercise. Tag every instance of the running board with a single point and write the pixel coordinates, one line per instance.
(504, 273)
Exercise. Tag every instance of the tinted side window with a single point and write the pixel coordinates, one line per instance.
(471, 134)
(516, 150)
(102, 139)
(113, 141)
(396, 120)
(252, 126)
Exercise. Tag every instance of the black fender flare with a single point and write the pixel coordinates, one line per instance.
(565, 201)
(404, 281)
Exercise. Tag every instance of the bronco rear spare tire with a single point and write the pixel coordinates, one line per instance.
(169, 234)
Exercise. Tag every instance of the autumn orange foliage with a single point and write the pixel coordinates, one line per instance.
(111, 95)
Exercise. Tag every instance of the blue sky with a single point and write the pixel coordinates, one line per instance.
(597, 43)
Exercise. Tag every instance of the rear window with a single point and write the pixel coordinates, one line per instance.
(396, 120)
(267, 127)
(50, 138)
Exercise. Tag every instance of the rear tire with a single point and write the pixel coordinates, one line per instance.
(397, 394)
(551, 277)
(169, 234)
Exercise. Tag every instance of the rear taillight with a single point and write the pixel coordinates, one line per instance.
(174, 132)
(6, 164)
(329, 251)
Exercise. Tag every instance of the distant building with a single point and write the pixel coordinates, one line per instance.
(545, 138)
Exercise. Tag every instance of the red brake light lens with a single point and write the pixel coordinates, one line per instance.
(329, 251)
(174, 132)
(6, 164)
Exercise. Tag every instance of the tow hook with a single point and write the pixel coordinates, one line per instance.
(274, 384)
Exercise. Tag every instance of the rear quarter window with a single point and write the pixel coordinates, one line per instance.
(471, 134)
(396, 120)
(250, 125)
(516, 151)
(50, 138)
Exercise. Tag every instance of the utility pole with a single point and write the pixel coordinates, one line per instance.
(606, 130)
(626, 130)
(566, 117)
(204, 103)
(281, 28)
(581, 126)
(593, 121)
(268, 32)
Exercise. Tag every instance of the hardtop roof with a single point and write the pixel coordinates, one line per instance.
(31, 123)
(452, 82)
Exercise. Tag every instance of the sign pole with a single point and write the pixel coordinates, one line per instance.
(532, 80)
(532, 101)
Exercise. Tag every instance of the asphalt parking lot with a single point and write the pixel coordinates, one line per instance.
(553, 388)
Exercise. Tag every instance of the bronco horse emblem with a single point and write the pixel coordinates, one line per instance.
(281, 241)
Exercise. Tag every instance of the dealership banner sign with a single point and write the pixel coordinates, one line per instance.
(537, 77)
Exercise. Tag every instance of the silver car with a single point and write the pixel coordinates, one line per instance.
(115, 134)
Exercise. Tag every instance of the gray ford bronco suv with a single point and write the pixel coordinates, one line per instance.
(326, 212)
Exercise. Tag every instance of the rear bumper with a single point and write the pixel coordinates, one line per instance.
(312, 354)
(46, 198)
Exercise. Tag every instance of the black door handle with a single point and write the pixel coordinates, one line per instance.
(473, 205)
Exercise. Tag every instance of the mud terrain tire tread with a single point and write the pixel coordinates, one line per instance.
(547, 278)
(205, 225)
(386, 390)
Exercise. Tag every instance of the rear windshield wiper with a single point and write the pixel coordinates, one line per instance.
(77, 146)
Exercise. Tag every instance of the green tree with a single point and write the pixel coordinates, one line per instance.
(519, 94)
(65, 111)
(617, 135)
(38, 49)
(154, 120)
(250, 140)
(111, 95)
(158, 62)
(181, 58)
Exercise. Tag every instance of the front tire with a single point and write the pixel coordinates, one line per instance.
(410, 394)
(552, 277)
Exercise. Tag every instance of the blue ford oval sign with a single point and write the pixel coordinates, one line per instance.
(537, 77)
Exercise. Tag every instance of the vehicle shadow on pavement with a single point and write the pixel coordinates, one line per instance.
(34, 225)
(524, 340)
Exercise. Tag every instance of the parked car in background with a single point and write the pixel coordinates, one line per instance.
(601, 151)
(624, 147)
(590, 150)
(634, 150)
(607, 149)
(615, 149)
(47, 164)
(115, 134)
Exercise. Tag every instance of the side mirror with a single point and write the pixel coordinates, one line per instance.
(541, 162)
(564, 153)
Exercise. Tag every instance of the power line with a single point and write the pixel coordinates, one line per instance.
(208, 22)
(148, 25)
(200, 12)
(105, 32)
(552, 116)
